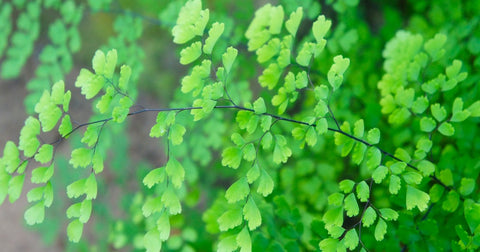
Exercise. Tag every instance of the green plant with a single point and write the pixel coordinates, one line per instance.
(319, 159)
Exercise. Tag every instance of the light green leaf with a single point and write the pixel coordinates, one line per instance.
(81, 157)
(276, 19)
(44, 154)
(171, 201)
(435, 46)
(65, 127)
(471, 210)
(322, 126)
(58, 92)
(305, 54)
(474, 109)
(259, 106)
(213, 34)
(11, 157)
(155, 176)
(42, 174)
(74, 231)
(268, 51)
(15, 185)
(294, 21)
(351, 205)
(125, 73)
(175, 172)
(358, 128)
(237, 191)
(358, 153)
(191, 22)
(244, 241)
(424, 144)
(253, 173)
(265, 184)
(380, 230)
(427, 124)
(228, 58)
(374, 157)
(110, 63)
(311, 136)
(394, 185)
(48, 194)
(98, 62)
(252, 214)
(363, 191)
(35, 214)
(191, 53)
(230, 219)
(35, 194)
(28, 141)
(49, 117)
(249, 152)
(412, 177)
(85, 211)
(420, 105)
(232, 156)
(73, 211)
(66, 101)
(97, 163)
(446, 129)
(467, 186)
(281, 152)
(426, 167)
(351, 239)
(334, 216)
(75, 189)
(438, 112)
(369, 217)
(152, 205)
(398, 167)
(446, 177)
(163, 226)
(336, 199)
(320, 28)
(267, 140)
(120, 112)
(270, 76)
(335, 74)
(176, 134)
(346, 185)
(373, 136)
(416, 198)
(152, 241)
(388, 214)
(227, 244)
(265, 123)
(91, 187)
(404, 97)
(379, 174)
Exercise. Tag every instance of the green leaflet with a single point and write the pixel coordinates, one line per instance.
(374, 157)
(416, 198)
(379, 174)
(335, 74)
(175, 172)
(228, 58)
(373, 136)
(228, 244)
(44, 154)
(230, 219)
(351, 205)
(451, 202)
(434, 46)
(125, 73)
(346, 186)
(467, 186)
(35, 194)
(420, 105)
(191, 22)
(155, 176)
(35, 214)
(74, 231)
(152, 205)
(427, 124)
(294, 21)
(232, 156)
(171, 201)
(249, 152)
(15, 185)
(98, 62)
(110, 64)
(281, 152)
(426, 167)
(81, 157)
(42, 174)
(259, 106)
(58, 92)
(163, 226)
(213, 34)
(270, 76)
(28, 141)
(191, 53)
(369, 217)
(363, 191)
(120, 112)
(89, 83)
(380, 230)
(446, 129)
(237, 191)
(244, 241)
(251, 214)
(268, 51)
(395, 184)
(176, 134)
(11, 158)
(320, 28)
(265, 184)
(65, 127)
(152, 241)
(351, 239)
(438, 112)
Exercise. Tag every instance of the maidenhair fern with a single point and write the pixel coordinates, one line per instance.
(296, 172)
